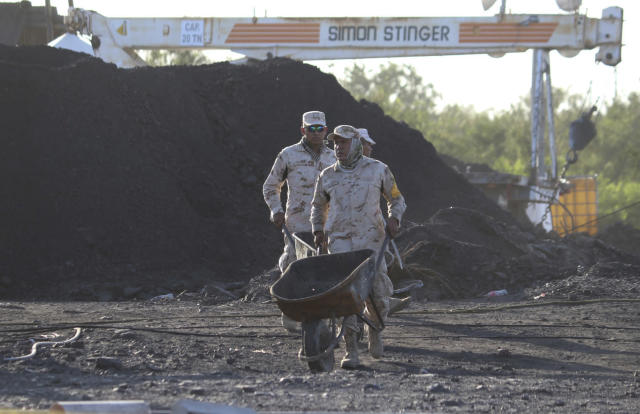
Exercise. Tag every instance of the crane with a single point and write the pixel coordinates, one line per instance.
(115, 39)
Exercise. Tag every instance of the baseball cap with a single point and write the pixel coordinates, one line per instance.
(313, 118)
(344, 131)
(364, 134)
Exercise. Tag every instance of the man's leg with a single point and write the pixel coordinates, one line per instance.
(287, 257)
(381, 292)
(350, 359)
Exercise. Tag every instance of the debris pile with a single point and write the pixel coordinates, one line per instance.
(623, 236)
(461, 253)
(603, 279)
(135, 183)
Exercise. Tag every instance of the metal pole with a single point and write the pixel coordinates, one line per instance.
(47, 14)
(552, 128)
(537, 129)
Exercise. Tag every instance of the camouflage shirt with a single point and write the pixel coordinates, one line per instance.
(299, 165)
(354, 219)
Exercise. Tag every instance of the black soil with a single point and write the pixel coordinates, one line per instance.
(131, 183)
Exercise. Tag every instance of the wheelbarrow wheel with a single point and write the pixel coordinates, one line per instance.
(316, 338)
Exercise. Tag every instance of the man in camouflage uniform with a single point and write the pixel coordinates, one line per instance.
(353, 220)
(299, 165)
(367, 142)
(395, 304)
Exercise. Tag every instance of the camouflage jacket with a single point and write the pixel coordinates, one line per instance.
(353, 220)
(299, 166)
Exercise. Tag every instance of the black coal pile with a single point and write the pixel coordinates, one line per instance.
(623, 236)
(461, 253)
(133, 183)
(602, 280)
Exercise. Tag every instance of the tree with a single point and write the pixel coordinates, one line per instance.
(399, 91)
(503, 141)
(176, 58)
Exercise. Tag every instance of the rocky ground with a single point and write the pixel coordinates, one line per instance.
(548, 349)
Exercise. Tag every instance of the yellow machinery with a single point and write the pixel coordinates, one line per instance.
(577, 208)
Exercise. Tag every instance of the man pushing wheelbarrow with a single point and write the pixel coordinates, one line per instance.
(346, 216)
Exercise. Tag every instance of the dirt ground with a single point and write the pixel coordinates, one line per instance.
(509, 354)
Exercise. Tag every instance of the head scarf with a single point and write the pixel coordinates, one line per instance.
(355, 154)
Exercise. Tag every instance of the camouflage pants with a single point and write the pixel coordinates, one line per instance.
(381, 291)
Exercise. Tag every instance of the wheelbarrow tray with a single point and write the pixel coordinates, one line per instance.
(325, 286)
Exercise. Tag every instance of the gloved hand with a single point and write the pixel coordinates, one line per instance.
(278, 219)
(393, 227)
(318, 238)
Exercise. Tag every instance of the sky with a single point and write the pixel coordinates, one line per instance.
(483, 82)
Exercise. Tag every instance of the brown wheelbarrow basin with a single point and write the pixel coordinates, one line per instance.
(325, 286)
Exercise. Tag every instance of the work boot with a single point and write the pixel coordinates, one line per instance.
(290, 325)
(376, 348)
(350, 360)
(396, 305)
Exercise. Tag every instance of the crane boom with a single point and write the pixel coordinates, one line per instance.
(354, 38)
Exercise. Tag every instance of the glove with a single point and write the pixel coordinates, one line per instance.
(278, 219)
(393, 226)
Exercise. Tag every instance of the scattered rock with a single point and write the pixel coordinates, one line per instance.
(249, 389)
(124, 334)
(197, 391)
(108, 363)
(437, 387)
(371, 388)
(503, 353)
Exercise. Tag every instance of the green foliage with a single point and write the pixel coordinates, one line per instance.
(399, 91)
(503, 141)
(617, 195)
(614, 155)
(175, 58)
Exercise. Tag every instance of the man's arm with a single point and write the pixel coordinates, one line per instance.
(396, 205)
(319, 207)
(272, 187)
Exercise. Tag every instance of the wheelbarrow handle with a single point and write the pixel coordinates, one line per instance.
(306, 245)
(286, 232)
(381, 252)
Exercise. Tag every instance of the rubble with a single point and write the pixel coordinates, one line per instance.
(461, 253)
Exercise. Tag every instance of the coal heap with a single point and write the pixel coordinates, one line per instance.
(461, 253)
(130, 183)
(623, 236)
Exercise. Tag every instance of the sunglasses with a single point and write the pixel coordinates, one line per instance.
(316, 128)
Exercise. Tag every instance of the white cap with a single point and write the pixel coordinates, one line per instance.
(313, 118)
(364, 134)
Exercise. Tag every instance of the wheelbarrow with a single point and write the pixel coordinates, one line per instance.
(326, 287)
